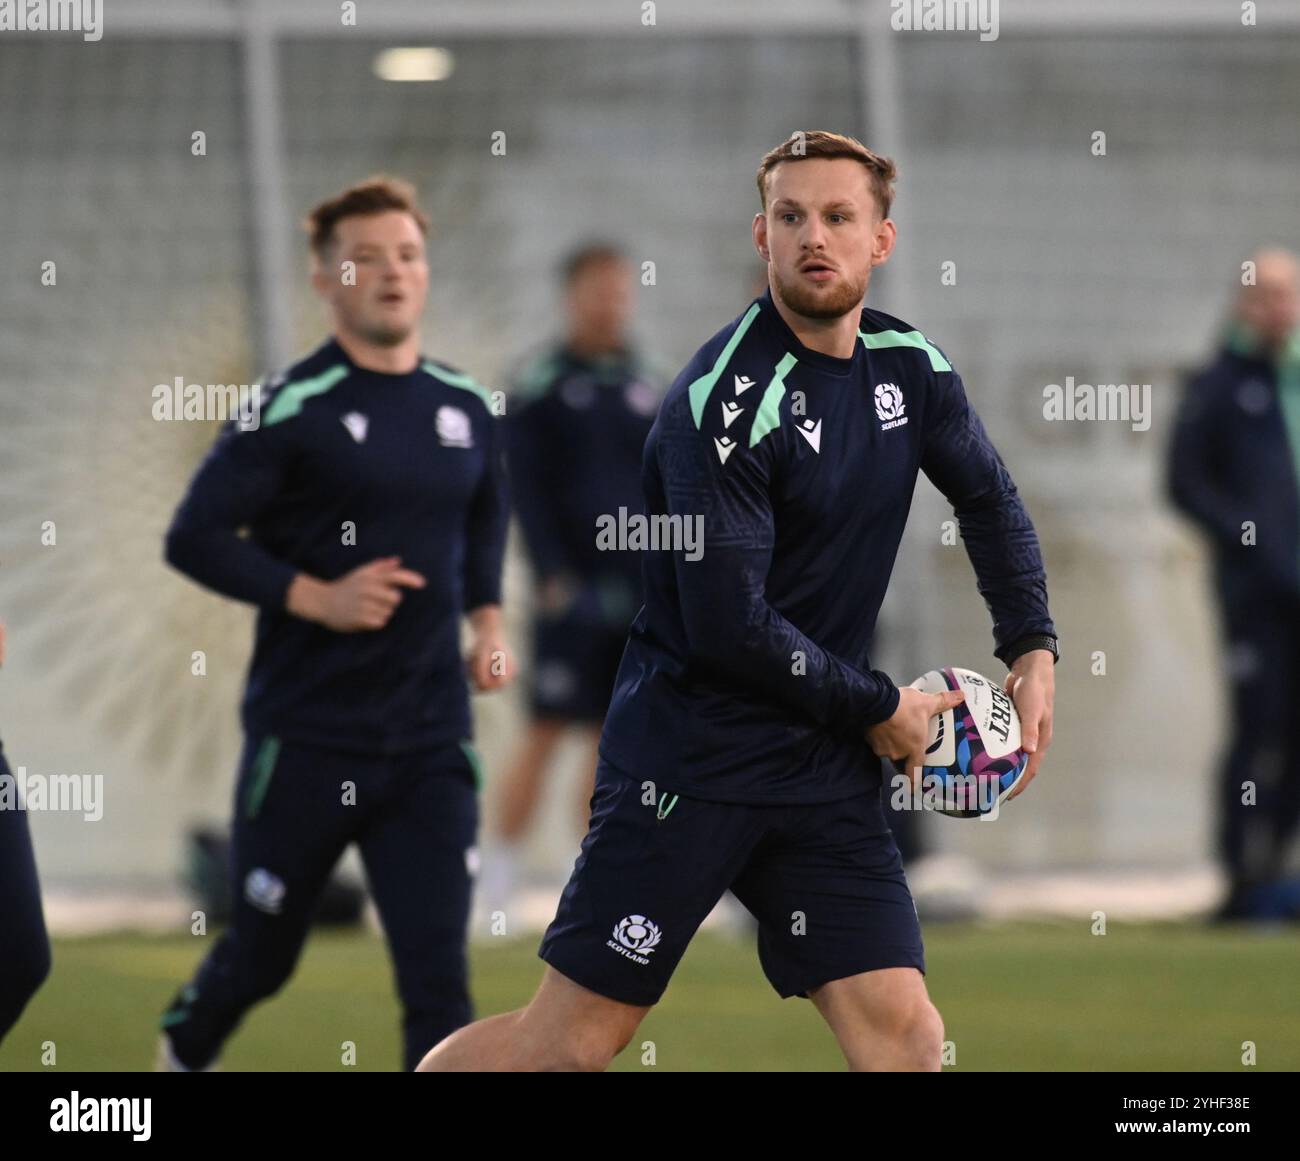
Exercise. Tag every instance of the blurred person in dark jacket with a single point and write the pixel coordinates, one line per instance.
(577, 421)
(1234, 469)
(25, 964)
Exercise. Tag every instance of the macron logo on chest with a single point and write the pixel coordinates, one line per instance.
(812, 432)
(357, 424)
(731, 411)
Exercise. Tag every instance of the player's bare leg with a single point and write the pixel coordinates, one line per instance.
(516, 804)
(883, 1020)
(565, 1028)
(517, 801)
(587, 780)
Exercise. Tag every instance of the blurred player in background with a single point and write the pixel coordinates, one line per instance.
(373, 492)
(577, 421)
(744, 740)
(25, 963)
(1234, 466)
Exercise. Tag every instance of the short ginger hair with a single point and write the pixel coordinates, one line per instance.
(802, 145)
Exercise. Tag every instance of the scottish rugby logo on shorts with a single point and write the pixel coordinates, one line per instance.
(889, 406)
(264, 890)
(454, 428)
(636, 938)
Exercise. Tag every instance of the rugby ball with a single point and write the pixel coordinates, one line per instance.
(973, 757)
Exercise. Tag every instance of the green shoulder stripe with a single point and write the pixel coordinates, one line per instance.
(702, 388)
(289, 399)
(1242, 340)
(768, 416)
(885, 339)
(536, 378)
(456, 379)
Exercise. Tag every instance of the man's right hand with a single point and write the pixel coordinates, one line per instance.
(906, 733)
(361, 600)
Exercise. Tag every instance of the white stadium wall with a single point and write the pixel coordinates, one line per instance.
(1112, 269)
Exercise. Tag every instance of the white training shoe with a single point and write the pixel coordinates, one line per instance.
(165, 1060)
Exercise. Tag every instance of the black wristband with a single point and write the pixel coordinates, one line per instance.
(1022, 645)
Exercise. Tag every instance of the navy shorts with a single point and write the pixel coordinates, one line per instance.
(574, 667)
(825, 882)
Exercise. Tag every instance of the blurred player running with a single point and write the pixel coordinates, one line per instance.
(744, 740)
(577, 421)
(374, 496)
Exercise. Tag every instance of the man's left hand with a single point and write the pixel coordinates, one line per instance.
(1032, 686)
